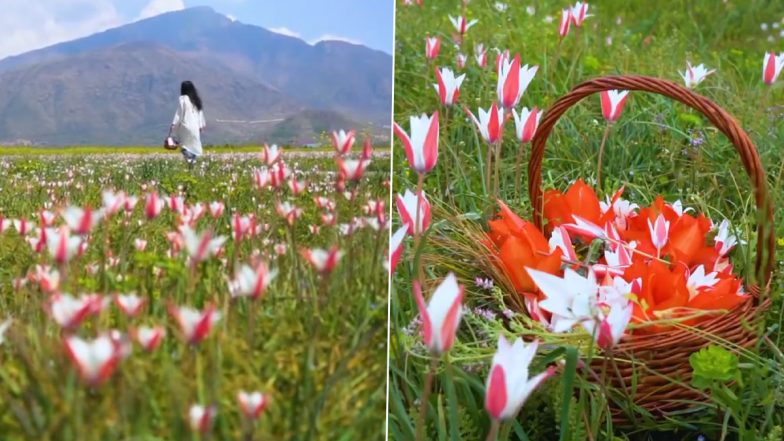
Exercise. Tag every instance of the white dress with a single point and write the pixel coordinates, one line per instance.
(188, 122)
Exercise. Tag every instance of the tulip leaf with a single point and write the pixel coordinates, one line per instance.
(567, 380)
(452, 403)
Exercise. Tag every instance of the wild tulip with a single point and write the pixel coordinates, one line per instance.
(407, 206)
(262, 178)
(328, 219)
(513, 80)
(252, 404)
(47, 278)
(130, 203)
(566, 19)
(461, 59)
(202, 246)
(176, 204)
(47, 218)
(130, 304)
(422, 146)
(270, 154)
(4, 325)
(112, 202)
(201, 417)
(500, 58)
(396, 247)
(367, 149)
(23, 226)
(216, 209)
(250, 282)
(490, 123)
(441, 316)
(95, 360)
(153, 205)
(526, 123)
(448, 86)
(62, 246)
(288, 211)
(343, 141)
(480, 55)
(5, 224)
(240, 226)
(694, 75)
(314, 229)
(81, 221)
(432, 45)
(323, 261)
(612, 103)
(297, 187)
(352, 169)
(508, 385)
(150, 337)
(579, 13)
(69, 312)
(195, 325)
(461, 24)
(771, 67)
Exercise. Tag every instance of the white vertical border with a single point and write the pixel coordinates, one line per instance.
(389, 218)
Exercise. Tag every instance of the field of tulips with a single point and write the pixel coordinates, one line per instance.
(243, 299)
(615, 284)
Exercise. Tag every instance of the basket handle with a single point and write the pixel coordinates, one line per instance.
(766, 244)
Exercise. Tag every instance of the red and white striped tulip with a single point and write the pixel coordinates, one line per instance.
(490, 123)
(441, 316)
(62, 245)
(526, 123)
(352, 169)
(288, 211)
(241, 226)
(513, 80)
(323, 261)
(253, 283)
(432, 45)
(195, 325)
(140, 244)
(252, 404)
(23, 226)
(95, 360)
(201, 417)
(324, 203)
(448, 86)
(772, 65)
(508, 385)
(694, 75)
(461, 59)
(130, 203)
(297, 187)
(81, 221)
(343, 141)
(407, 209)
(367, 149)
(69, 312)
(422, 146)
(396, 247)
(130, 304)
(270, 154)
(500, 58)
(461, 24)
(112, 202)
(202, 246)
(150, 337)
(47, 218)
(566, 19)
(579, 13)
(216, 209)
(660, 231)
(153, 205)
(176, 204)
(48, 279)
(612, 103)
(480, 55)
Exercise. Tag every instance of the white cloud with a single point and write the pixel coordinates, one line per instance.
(158, 7)
(27, 25)
(333, 37)
(285, 31)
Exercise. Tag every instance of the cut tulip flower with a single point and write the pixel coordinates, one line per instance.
(441, 316)
(508, 385)
(421, 146)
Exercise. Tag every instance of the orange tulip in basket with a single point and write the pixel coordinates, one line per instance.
(671, 266)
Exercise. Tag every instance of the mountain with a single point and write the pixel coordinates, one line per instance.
(120, 86)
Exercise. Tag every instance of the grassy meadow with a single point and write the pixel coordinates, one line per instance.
(224, 238)
(656, 147)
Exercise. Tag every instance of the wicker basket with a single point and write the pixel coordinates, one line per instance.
(658, 359)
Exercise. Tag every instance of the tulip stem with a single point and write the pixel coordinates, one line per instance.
(601, 154)
(492, 435)
(497, 170)
(417, 232)
(488, 167)
(420, 433)
(518, 165)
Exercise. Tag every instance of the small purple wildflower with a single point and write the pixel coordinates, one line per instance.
(486, 284)
(484, 313)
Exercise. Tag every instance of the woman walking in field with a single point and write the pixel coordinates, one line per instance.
(189, 122)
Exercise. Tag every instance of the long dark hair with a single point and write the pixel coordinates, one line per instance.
(188, 89)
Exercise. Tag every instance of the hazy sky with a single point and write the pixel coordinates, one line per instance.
(33, 24)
